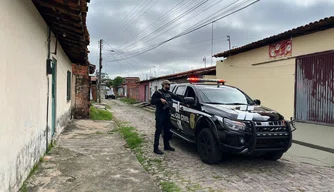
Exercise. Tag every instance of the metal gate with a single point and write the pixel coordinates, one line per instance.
(314, 89)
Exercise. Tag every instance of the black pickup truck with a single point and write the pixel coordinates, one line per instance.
(222, 119)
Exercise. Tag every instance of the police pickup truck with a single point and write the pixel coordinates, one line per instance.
(222, 119)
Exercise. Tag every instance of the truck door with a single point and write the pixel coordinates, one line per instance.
(189, 113)
(176, 118)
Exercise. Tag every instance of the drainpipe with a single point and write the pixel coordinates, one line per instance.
(48, 92)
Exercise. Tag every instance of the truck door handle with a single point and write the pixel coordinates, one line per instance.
(181, 108)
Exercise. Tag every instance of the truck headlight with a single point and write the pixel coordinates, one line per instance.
(230, 124)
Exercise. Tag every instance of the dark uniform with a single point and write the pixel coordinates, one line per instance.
(162, 117)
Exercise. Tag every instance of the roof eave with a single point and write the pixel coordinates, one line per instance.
(317, 26)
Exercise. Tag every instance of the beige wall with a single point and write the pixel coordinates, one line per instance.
(272, 83)
(23, 85)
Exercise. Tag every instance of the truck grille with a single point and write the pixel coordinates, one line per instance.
(271, 128)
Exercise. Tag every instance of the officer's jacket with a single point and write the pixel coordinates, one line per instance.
(162, 94)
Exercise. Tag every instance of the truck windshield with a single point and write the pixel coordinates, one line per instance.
(225, 96)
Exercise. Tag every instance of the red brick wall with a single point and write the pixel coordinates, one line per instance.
(82, 92)
(80, 70)
(132, 89)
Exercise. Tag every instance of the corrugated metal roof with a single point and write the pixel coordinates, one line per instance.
(313, 27)
(183, 74)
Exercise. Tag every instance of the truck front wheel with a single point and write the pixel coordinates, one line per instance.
(208, 147)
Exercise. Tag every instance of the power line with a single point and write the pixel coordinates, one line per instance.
(130, 13)
(190, 31)
(211, 17)
(156, 21)
(169, 26)
(141, 14)
(133, 15)
(169, 23)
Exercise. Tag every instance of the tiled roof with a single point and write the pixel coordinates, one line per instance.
(320, 25)
(184, 74)
(67, 20)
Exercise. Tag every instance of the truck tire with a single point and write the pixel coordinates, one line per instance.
(207, 147)
(273, 156)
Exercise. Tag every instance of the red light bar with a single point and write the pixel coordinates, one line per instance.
(193, 79)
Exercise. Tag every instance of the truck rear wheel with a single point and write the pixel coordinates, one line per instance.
(273, 156)
(208, 147)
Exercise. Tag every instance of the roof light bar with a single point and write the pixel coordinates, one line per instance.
(194, 79)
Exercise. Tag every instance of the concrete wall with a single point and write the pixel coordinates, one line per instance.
(24, 87)
(272, 83)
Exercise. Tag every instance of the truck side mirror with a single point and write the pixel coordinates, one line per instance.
(189, 100)
(257, 102)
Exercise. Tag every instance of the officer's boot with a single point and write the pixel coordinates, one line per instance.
(167, 146)
(157, 150)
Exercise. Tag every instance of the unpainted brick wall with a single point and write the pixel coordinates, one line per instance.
(82, 92)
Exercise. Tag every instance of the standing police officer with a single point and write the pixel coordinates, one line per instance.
(162, 99)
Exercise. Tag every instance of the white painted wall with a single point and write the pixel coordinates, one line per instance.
(23, 85)
(154, 83)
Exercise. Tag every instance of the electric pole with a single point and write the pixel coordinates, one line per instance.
(211, 43)
(100, 68)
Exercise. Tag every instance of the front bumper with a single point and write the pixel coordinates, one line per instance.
(256, 139)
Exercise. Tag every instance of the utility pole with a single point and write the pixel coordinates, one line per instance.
(229, 42)
(211, 43)
(100, 68)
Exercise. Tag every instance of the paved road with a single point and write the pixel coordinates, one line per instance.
(185, 168)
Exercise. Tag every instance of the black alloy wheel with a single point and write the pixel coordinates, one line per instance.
(208, 147)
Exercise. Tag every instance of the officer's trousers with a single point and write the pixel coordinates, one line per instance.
(163, 124)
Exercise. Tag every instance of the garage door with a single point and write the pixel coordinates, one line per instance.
(314, 88)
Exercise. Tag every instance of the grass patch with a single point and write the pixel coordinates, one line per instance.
(131, 136)
(49, 147)
(99, 132)
(99, 114)
(169, 187)
(196, 187)
(24, 187)
(134, 142)
(217, 177)
(128, 100)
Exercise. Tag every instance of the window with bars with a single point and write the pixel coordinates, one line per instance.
(68, 85)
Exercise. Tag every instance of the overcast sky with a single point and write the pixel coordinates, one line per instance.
(130, 27)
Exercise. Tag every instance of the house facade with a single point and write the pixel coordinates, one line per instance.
(144, 93)
(292, 73)
(131, 87)
(37, 80)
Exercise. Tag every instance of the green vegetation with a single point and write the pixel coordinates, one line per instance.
(108, 107)
(99, 114)
(128, 100)
(169, 187)
(131, 137)
(134, 142)
(117, 81)
(24, 187)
